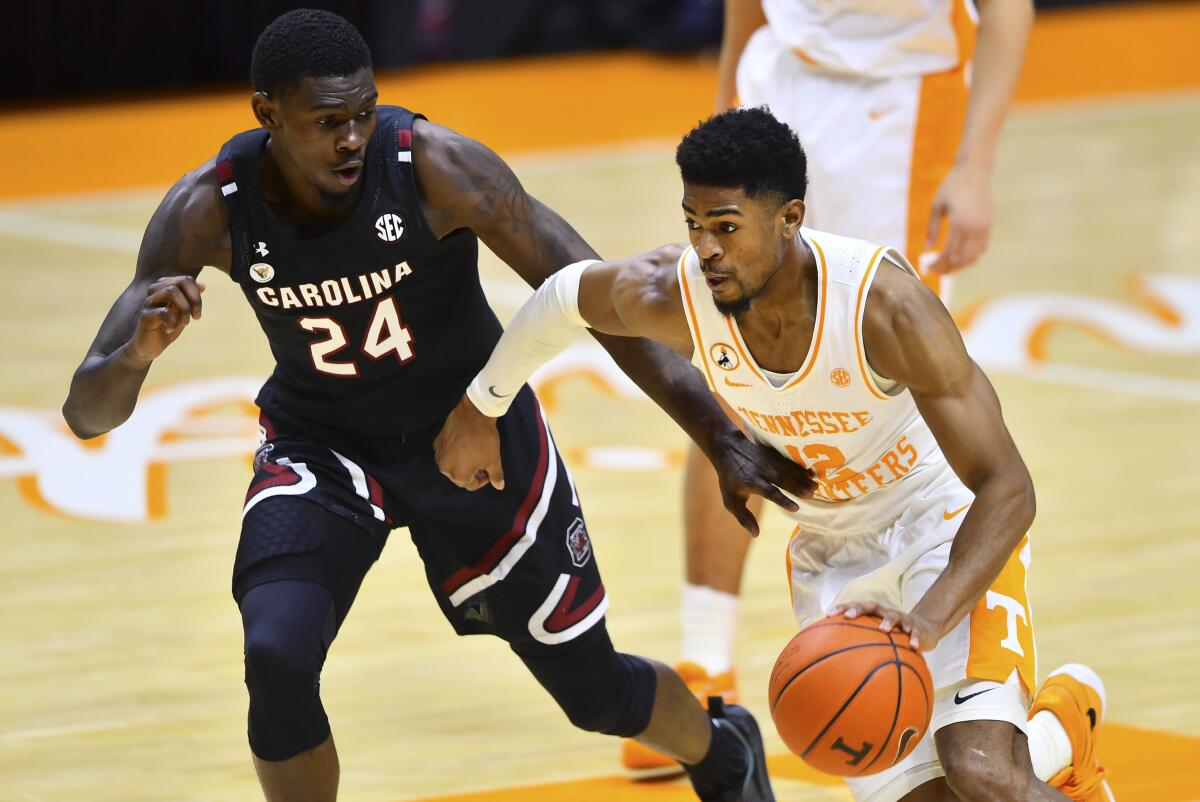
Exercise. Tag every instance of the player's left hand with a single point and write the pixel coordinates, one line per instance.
(467, 449)
(745, 467)
(922, 634)
(964, 201)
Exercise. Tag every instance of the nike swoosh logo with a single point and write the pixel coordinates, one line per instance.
(492, 390)
(735, 384)
(949, 516)
(959, 698)
(877, 114)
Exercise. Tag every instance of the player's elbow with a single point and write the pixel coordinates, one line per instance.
(81, 416)
(1024, 499)
(75, 421)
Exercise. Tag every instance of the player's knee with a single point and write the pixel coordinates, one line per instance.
(620, 702)
(286, 716)
(974, 776)
(599, 689)
(277, 670)
(285, 642)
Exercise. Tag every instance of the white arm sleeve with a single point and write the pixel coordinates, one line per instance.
(542, 328)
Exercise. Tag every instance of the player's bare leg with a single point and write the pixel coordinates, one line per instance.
(715, 544)
(988, 761)
(678, 726)
(310, 776)
(715, 552)
(713, 751)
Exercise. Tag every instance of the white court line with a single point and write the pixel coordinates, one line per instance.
(1113, 381)
(90, 236)
(69, 729)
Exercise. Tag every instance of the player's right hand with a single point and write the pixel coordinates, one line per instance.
(170, 304)
(746, 468)
(467, 449)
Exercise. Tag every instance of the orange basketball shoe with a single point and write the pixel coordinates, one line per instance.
(1074, 693)
(643, 763)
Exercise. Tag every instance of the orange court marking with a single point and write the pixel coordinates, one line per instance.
(554, 102)
(1142, 765)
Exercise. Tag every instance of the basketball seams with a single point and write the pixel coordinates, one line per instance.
(920, 684)
(822, 659)
(866, 681)
(862, 687)
(895, 713)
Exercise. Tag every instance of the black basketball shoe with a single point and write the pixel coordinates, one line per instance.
(737, 720)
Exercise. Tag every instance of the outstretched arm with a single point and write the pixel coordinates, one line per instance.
(626, 298)
(189, 230)
(466, 185)
(910, 337)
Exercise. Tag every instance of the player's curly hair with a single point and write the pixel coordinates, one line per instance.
(305, 43)
(748, 149)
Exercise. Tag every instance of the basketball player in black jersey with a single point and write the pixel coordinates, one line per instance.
(351, 228)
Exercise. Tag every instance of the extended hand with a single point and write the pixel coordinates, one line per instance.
(745, 467)
(922, 634)
(171, 303)
(964, 200)
(467, 448)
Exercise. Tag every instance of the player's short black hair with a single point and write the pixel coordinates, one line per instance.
(305, 43)
(748, 149)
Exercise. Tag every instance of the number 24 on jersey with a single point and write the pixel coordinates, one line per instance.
(385, 335)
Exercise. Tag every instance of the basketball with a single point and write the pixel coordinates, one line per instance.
(849, 699)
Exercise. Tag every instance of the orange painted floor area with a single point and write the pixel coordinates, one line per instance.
(556, 102)
(1143, 766)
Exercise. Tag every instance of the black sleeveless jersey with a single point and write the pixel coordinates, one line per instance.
(377, 326)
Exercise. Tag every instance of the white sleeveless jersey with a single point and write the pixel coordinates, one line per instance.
(875, 38)
(872, 452)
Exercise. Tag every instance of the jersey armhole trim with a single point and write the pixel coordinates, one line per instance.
(693, 321)
(815, 350)
(402, 147)
(860, 308)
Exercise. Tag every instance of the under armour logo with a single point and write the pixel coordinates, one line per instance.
(261, 249)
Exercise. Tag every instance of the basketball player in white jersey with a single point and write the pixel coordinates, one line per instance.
(832, 351)
(899, 104)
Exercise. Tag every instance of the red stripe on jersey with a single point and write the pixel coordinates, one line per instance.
(280, 475)
(268, 427)
(506, 541)
(563, 616)
(374, 491)
(225, 171)
(404, 139)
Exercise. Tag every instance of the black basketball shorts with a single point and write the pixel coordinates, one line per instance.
(517, 563)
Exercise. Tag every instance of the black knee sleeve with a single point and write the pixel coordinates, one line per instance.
(288, 625)
(598, 688)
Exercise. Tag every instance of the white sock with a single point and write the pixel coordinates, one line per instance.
(709, 621)
(1049, 746)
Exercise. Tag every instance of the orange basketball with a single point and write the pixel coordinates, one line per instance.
(849, 699)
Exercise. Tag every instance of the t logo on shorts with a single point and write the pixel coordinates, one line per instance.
(578, 543)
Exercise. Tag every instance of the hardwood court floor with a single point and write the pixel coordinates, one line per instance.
(121, 645)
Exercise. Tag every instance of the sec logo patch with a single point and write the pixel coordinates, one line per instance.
(389, 227)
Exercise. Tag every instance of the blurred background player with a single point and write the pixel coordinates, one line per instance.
(899, 107)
